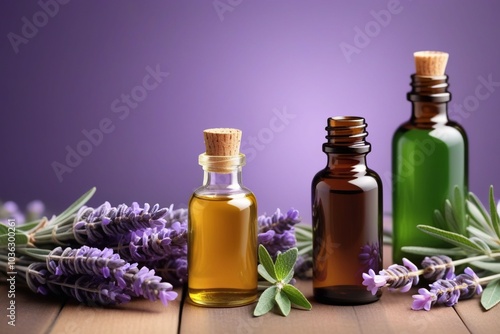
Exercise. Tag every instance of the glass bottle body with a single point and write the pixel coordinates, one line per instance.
(222, 242)
(347, 223)
(429, 159)
(346, 217)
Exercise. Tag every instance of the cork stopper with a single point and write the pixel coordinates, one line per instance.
(430, 63)
(222, 141)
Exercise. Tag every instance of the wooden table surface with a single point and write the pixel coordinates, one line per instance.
(391, 314)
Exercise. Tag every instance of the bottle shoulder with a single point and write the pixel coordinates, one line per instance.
(451, 132)
(356, 181)
(223, 191)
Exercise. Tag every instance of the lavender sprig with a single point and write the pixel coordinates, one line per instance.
(448, 291)
(83, 260)
(105, 267)
(85, 288)
(106, 224)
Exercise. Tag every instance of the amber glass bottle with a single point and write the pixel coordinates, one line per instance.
(222, 228)
(346, 215)
(429, 157)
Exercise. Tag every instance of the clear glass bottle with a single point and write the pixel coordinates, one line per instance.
(429, 158)
(222, 235)
(346, 216)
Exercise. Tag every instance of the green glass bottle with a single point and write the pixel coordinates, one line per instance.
(429, 157)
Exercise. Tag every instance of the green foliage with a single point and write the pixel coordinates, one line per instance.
(281, 293)
(475, 231)
(491, 295)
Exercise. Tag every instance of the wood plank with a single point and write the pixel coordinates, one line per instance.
(35, 313)
(137, 316)
(477, 319)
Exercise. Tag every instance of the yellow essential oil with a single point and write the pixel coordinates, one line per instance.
(222, 227)
(222, 257)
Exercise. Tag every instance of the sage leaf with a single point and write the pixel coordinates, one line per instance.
(266, 301)
(288, 278)
(495, 221)
(3, 229)
(283, 303)
(491, 294)
(263, 272)
(451, 237)
(296, 297)
(285, 263)
(266, 261)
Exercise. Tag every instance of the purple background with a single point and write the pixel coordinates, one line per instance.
(238, 66)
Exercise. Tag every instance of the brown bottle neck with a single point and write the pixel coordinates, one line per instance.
(347, 163)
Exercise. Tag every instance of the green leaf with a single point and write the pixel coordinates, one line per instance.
(21, 239)
(477, 203)
(439, 219)
(28, 226)
(266, 301)
(450, 217)
(266, 261)
(296, 297)
(459, 209)
(283, 302)
(476, 217)
(490, 266)
(430, 251)
(490, 240)
(451, 237)
(491, 294)
(495, 220)
(285, 263)
(76, 205)
(263, 272)
(4, 229)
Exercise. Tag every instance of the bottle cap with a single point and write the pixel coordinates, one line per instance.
(222, 153)
(222, 141)
(430, 63)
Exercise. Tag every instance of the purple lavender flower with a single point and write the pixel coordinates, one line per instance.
(470, 283)
(92, 290)
(277, 232)
(143, 282)
(374, 282)
(448, 291)
(438, 267)
(87, 289)
(424, 300)
(396, 277)
(106, 224)
(83, 260)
